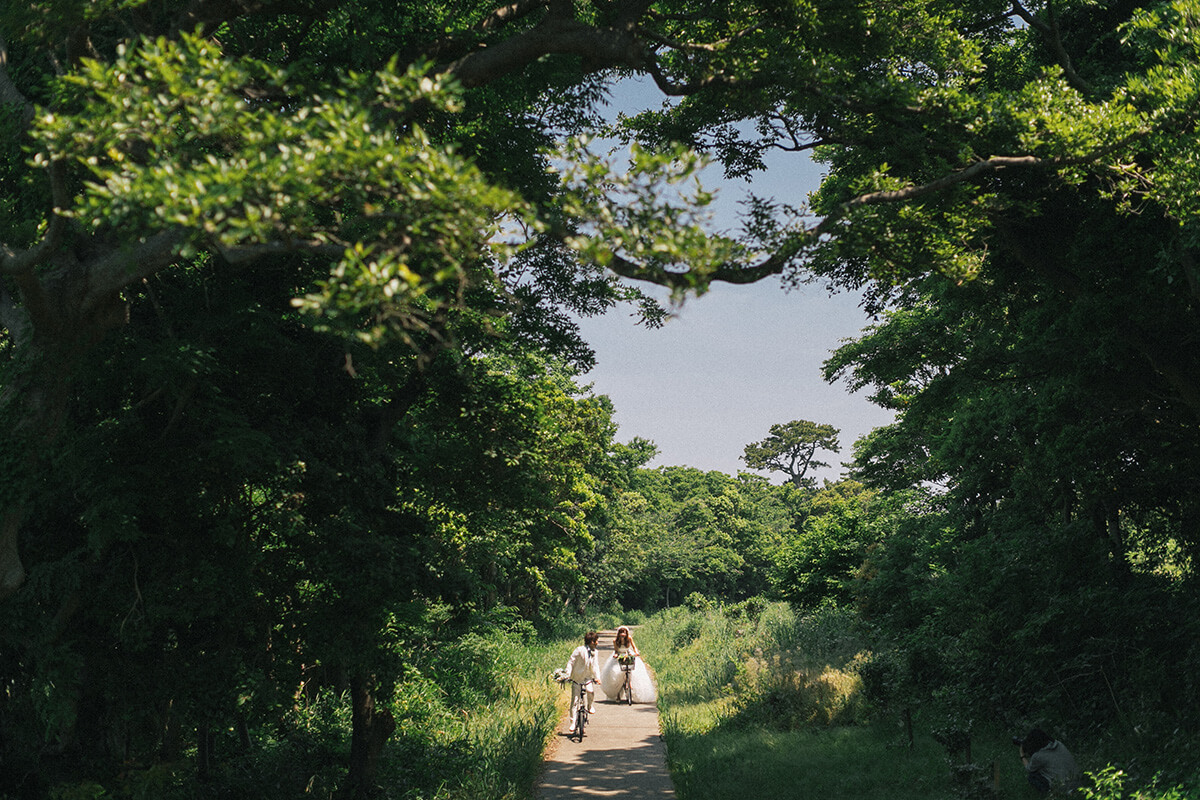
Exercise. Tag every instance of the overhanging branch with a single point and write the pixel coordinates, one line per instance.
(246, 253)
(463, 42)
(1050, 32)
(128, 265)
(554, 35)
(777, 262)
(9, 93)
(945, 182)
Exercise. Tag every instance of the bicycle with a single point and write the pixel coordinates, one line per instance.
(627, 665)
(579, 711)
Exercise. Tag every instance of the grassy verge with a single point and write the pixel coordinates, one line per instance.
(485, 741)
(757, 702)
(473, 719)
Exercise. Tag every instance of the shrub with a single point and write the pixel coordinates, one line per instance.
(1111, 783)
(689, 633)
(781, 693)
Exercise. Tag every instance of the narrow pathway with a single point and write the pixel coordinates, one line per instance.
(621, 755)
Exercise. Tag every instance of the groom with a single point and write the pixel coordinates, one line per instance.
(582, 671)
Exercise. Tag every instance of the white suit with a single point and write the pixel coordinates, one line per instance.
(582, 667)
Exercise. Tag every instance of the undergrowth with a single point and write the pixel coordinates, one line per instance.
(757, 700)
(473, 718)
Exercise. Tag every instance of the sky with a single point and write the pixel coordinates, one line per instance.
(737, 360)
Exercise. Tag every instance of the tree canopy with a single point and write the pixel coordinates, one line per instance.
(244, 132)
(287, 355)
(791, 449)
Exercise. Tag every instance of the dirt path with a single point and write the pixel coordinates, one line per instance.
(622, 754)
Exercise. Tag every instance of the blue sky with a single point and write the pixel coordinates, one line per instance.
(732, 363)
(737, 360)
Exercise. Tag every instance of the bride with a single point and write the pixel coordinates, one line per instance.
(611, 676)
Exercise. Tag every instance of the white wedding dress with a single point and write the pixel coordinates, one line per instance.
(611, 678)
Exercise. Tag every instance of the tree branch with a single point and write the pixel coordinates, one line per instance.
(244, 254)
(24, 262)
(692, 87)
(132, 264)
(1050, 32)
(9, 93)
(784, 128)
(730, 273)
(467, 41)
(622, 44)
(210, 13)
(776, 262)
(11, 262)
(21, 265)
(555, 35)
(946, 181)
(128, 265)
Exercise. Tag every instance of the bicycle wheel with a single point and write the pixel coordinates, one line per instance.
(581, 718)
(628, 690)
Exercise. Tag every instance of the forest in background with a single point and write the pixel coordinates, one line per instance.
(292, 426)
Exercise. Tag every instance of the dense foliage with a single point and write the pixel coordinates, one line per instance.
(287, 365)
(1016, 202)
(681, 531)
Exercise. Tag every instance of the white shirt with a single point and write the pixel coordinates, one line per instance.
(581, 666)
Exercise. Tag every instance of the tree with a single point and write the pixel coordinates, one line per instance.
(791, 448)
(819, 562)
(239, 133)
(1063, 454)
(948, 134)
(678, 530)
(1016, 391)
(909, 108)
(261, 531)
(175, 171)
(390, 184)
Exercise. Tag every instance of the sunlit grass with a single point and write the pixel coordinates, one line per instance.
(484, 738)
(508, 736)
(757, 702)
(728, 679)
(842, 762)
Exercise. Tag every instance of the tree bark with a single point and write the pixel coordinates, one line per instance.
(12, 571)
(204, 752)
(371, 728)
(65, 311)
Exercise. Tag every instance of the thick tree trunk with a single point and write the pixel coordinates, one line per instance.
(371, 728)
(170, 749)
(12, 571)
(1121, 567)
(204, 752)
(66, 306)
(243, 731)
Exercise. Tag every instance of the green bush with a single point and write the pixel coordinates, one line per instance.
(780, 693)
(473, 669)
(1112, 783)
(687, 634)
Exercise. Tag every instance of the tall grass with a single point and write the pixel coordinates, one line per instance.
(742, 662)
(482, 738)
(759, 702)
(473, 718)
(474, 725)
